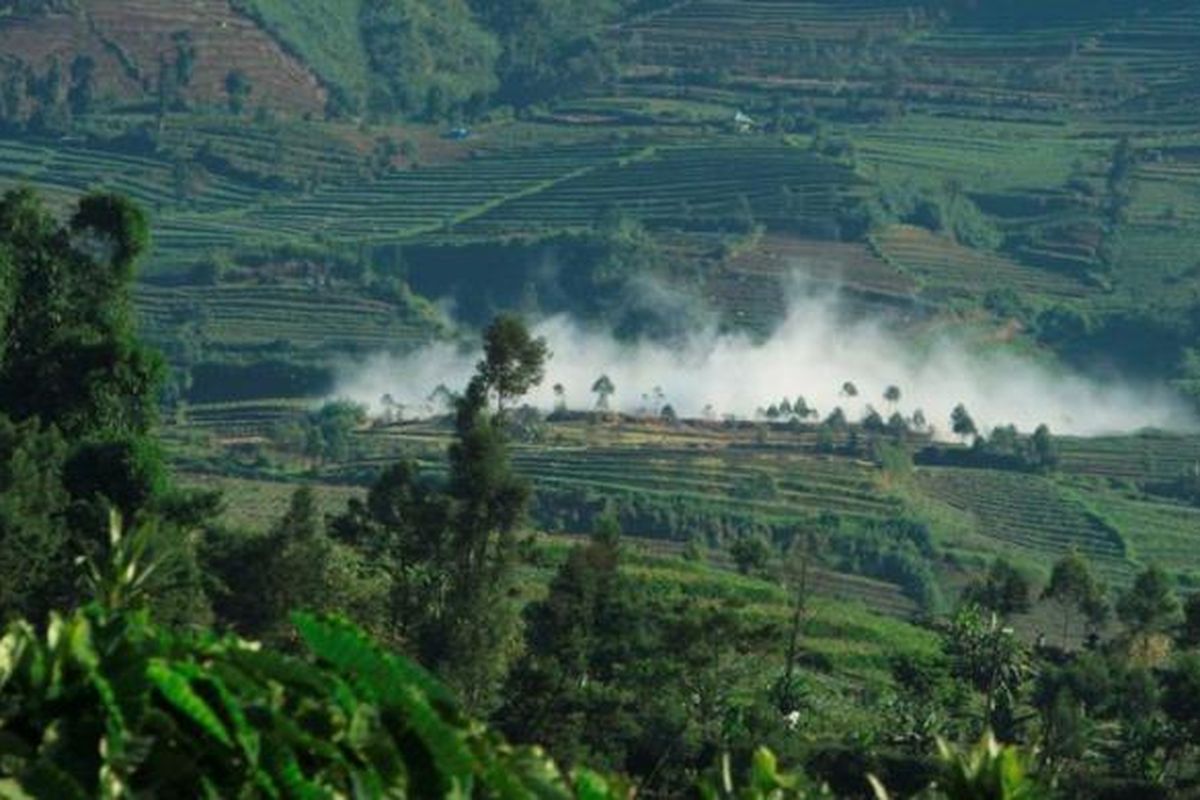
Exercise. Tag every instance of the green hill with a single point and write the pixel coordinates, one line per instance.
(1035, 166)
(1030, 170)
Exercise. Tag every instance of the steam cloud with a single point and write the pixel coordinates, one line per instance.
(813, 352)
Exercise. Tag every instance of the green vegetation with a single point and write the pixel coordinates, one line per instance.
(325, 180)
(324, 35)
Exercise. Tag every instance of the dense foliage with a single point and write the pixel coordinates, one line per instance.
(849, 591)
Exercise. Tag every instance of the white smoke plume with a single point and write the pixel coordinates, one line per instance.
(812, 353)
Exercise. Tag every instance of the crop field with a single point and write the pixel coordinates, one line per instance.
(305, 318)
(1027, 513)
(68, 170)
(1028, 517)
(675, 184)
(1167, 534)
(710, 485)
(941, 64)
(279, 154)
(129, 38)
(740, 482)
(256, 504)
(1149, 455)
(992, 153)
(516, 193)
(730, 480)
(754, 285)
(753, 37)
(242, 420)
(943, 266)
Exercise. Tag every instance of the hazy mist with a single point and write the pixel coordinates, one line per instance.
(812, 353)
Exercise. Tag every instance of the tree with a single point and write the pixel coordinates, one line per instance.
(1044, 449)
(1074, 588)
(328, 431)
(849, 389)
(1004, 440)
(568, 688)
(750, 554)
(603, 388)
(1003, 590)
(489, 503)
(78, 392)
(1181, 695)
(872, 422)
(1150, 604)
(268, 577)
(1119, 180)
(81, 95)
(802, 409)
(550, 48)
(836, 420)
(961, 422)
(237, 90)
(448, 548)
(35, 547)
(797, 574)
(892, 396)
(989, 656)
(185, 57)
(427, 59)
(1189, 634)
(514, 361)
(68, 354)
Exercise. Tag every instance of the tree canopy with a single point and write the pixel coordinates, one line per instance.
(68, 354)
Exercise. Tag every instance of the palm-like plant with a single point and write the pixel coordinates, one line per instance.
(124, 575)
(988, 771)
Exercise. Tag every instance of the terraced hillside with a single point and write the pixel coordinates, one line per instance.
(132, 43)
(1036, 175)
(973, 154)
(710, 485)
(307, 320)
(968, 60)
(1028, 513)
(945, 268)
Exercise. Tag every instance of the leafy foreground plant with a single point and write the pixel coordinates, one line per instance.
(988, 771)
(110, 705)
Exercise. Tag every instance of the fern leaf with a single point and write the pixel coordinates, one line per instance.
(11, 790)
(247, 738)
(265, 666)
(350, 650)
(178, 691)
(46, 779)
(13, 648)
(445, 743)
(291, 776)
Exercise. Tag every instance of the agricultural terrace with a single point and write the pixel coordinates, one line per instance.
(843, 628)
(710, 484)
